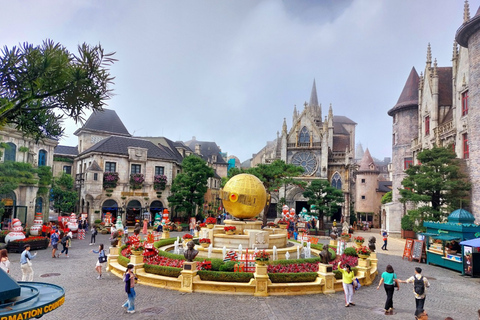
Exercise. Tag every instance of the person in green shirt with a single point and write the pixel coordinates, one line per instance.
(389, 278)
(347, 277)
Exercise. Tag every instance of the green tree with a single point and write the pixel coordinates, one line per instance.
(63, 193)
(327, 199)
(273, 176)
(189, 187)
(436, 186)
(387, 197)
(40, 85)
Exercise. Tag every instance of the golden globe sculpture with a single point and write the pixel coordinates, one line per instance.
(244, 196)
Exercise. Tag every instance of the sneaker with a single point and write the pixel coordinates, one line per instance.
(91, 244)
(131, 311)
(99, 277)
(352, 304)
(68, 256)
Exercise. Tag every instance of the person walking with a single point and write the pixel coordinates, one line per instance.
(385, 238)
(26, 264)
(4, 262)
(129, 279)
(65, 244)
(420, 283)
(347, 281)
(192, 225)
(389, 278)
(94, 234)
(54, 238)
(102, 258)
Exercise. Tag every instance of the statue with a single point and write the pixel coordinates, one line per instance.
(325, 255)
(371, 243)
(334, 233)
(191, 253)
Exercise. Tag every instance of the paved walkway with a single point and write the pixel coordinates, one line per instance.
(87, 298)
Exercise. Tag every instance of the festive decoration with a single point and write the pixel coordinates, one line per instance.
(244, 196)
(36, 228)
(231, 256)
(72, 222)
(16, 233)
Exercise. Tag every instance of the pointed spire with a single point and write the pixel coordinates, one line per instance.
(409, 95)
(435, 68)
(455, 50)
(313, 95)
(284, 127)
(367, 163)
(420, 82)
(429, 55)
(325, 124)
(466, 12)
(330, 112)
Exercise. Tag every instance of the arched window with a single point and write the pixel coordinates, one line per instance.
(304, 136)
(10, 152)
(39, 205)
(42, 158)
(337, 181)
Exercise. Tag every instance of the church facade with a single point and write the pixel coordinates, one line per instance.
(323, 146)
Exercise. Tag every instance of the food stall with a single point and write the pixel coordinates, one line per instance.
(471, 257)
(442, 239)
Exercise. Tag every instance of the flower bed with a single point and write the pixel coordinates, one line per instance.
(293, 268)
(36, 243)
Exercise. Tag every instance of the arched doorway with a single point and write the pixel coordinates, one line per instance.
(156, 207)
(111, 206)
(9, 201)
(134, 211)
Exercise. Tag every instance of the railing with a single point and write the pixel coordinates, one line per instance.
(304, 145)
(445, 128)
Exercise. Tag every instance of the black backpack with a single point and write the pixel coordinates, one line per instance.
(419, 286)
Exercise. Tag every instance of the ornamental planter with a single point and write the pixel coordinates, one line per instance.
(137, 252)
(261, 262)
(230, 232)
(346, 239)
(204, 244)
(210, 226)
(363, 256)
(358, 244)
(18, 246)
(408, 234)
(282, 226)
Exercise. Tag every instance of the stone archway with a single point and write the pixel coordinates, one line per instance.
(111, 206)
(133, 214)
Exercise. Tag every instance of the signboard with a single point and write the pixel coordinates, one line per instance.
(418, 251)
(467, 261)
(407, 252)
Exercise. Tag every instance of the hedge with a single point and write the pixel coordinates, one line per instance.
(163, 270)
(295, 261)
(350, 252)
(292, 277)
(225, 276)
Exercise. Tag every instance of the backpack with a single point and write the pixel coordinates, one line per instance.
(419, 286)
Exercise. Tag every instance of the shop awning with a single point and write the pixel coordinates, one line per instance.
(446, 237)
(428, 234)
(472, 243)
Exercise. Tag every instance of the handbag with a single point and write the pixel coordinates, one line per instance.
(29, 263)
(102, 258)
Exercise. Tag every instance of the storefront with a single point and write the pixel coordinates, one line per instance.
(443, 239)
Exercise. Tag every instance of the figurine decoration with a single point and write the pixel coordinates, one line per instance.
(371, 243)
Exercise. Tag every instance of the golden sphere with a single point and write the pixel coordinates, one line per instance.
(244, 196)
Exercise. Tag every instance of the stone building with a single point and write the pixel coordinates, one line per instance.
(25, 201)
(324, 147)
(433, 109)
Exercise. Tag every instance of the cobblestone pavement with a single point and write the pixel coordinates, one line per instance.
(450, 294)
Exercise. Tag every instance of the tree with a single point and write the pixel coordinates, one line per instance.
(273, 176)
(387, 197)
(436, 186)
(63, 193)
(189, 187)
(327, 199)
(41, 85)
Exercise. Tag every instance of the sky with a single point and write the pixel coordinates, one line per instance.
(230, 71)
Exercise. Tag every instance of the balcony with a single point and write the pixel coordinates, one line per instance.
(304, 145)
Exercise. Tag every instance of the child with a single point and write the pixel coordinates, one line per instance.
(385, 235)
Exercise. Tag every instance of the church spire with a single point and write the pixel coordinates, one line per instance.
(313, 96)
(466, 12)
(429, 56)
(284, 127)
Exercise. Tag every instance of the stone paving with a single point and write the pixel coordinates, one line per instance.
(450, 294)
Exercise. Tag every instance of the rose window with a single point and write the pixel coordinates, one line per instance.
(307, 161)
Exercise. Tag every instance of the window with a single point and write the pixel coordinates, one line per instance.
(95, 176)
(363, 180)
(394, 139)
(465, 103)
(159, 170)
(407, 162)
(10, 152)
(110, 167)
(394, 118)
(427, 125)
(337, 181)
(136, 168)
(67, 169)
(304, 136)
(465, 146)
(363, 197)
(42, 158)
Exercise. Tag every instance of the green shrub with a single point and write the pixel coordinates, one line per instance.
(225, 276)
(407, 223)
(171, 255)
(350, 251)
(292, 277)
(162, 270)
(228, 266)
(98, 221)
(164, 242)
(216, 263)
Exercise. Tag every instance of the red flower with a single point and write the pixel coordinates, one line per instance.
(211, 220)
(187, 236)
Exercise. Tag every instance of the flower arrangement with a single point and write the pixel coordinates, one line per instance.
(29, 239)
(136, 181)
(229, 228)
(159, 182)
(293, 268)
(204, 240)
(137, 246)
(187, 236)
(167, 227)
(110, 180)
(205, 265)
(359, 239)
(352, 261)
(346, 235)
(262, 256)
(363, 251)
(211, 220)
(282, 221)
(203, 225)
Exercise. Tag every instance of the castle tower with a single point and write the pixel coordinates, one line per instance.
(468, 36)
(367, 182)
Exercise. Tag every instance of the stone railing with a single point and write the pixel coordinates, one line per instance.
(304, 145)
(444, 128)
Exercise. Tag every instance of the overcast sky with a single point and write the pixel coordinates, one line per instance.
(230, 71)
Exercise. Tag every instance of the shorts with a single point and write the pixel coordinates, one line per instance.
(55, 246)
(98, 264)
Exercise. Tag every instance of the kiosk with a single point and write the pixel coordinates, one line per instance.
(471, 257)
(442, 239)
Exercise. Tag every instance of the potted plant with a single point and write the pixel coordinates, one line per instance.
(203, 225)
(282, 224)
(363, 252)
(408, 224)
(166, 231)
(262, 257)
(204, 242)
(159, 182)
(210, 222)
(187, 237)
(137, 247)
(110, 180)
(345, 236)
(136, 181)
(359, 241)
(229, 229)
